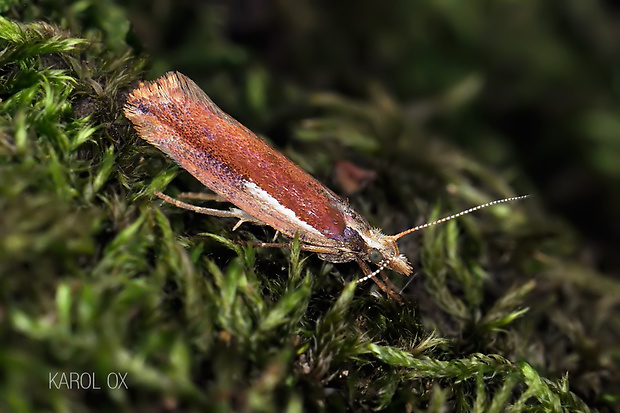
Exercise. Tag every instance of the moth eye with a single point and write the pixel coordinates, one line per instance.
(375, 256)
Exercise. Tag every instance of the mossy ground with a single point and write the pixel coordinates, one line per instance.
(97, 276)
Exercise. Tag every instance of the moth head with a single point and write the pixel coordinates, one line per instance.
(383, 252)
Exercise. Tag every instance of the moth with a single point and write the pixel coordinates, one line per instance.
(175, 115)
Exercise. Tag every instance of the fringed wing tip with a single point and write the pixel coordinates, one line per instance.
(173, 86)
(161, 86)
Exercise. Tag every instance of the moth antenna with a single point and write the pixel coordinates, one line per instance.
(460, 214)
(373, 274)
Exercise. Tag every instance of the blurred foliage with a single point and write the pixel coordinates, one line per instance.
(511, 309)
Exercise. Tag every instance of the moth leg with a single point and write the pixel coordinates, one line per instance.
(395, 292)
(247, 218)
(268, 244)
(242, 216)
(304, 247)
(316, 248)
(201, 196)
(384, 284)
(408, 282)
